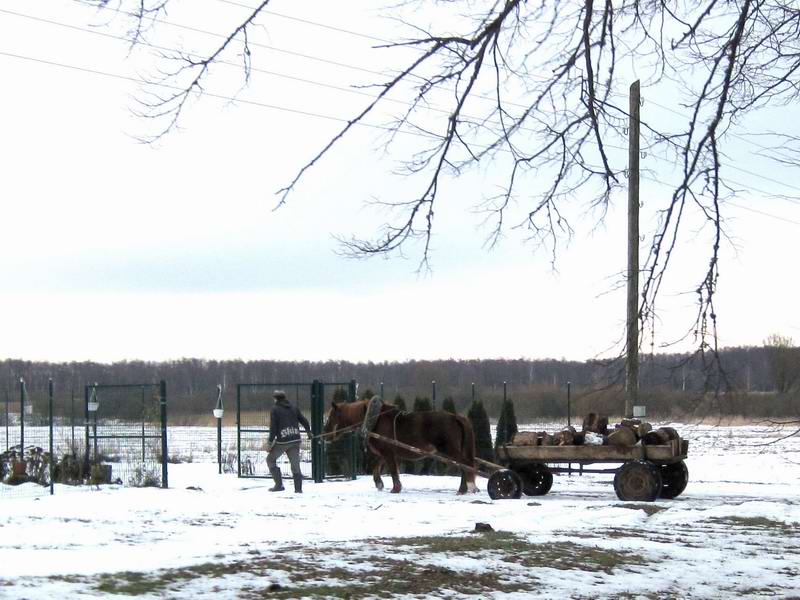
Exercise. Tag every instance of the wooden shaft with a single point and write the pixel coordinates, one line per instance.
(435, 455)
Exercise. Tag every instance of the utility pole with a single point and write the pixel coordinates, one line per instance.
(632, 343)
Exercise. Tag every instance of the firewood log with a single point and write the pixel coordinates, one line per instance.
(622, 436)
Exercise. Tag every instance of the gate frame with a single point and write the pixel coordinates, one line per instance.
(317, 422)
(162, 399)
(355, 464)
(274, 386)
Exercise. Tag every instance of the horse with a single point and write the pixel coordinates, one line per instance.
(448, 434)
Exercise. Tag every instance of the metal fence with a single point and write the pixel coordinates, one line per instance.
(26, 467)
(126, 439)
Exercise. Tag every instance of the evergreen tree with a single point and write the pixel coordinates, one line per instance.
(400, 403)
(449, 405)
(483, 433)
(340, 394)
(422, 403)
(367, 394)
(506, 425)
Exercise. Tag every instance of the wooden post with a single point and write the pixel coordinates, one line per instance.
(632, 344)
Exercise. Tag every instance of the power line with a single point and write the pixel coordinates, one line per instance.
(735, 135)
(250, 43)
(254, 69)
(309, 22)
(213, 95)
(766, 214)
(338, 88)
(379, 74)
(311, 114)
(374, 38)
(734, 204)
(218, 61)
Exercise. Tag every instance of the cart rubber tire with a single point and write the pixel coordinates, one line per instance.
(674, 478)
(537, 479)
(504, 485)
(638, 481)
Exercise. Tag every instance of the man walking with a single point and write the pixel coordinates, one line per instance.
(284, 436)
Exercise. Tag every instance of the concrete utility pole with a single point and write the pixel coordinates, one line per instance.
(632, 349)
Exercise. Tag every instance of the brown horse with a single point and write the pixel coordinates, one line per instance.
(448, 434)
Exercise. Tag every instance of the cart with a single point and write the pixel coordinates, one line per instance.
(647, 472)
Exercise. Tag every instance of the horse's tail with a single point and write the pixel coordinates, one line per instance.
(467, 441)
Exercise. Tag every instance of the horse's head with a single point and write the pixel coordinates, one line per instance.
(343, 415)
(332, 422)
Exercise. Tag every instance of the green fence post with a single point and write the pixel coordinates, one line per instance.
(22, 418)
(352, 388)
(239, 429)
(569, 404)
(86, 426)
(317, 409)
(7, 401)
(354, 437)
(50, 411)
(164, 449)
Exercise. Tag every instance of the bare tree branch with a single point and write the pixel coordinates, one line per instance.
(535, 89)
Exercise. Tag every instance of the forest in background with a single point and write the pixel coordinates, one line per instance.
(756, 382)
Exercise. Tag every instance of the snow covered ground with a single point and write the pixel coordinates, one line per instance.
(735, 532)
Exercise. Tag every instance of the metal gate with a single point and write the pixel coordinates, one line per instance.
(253, 405)
(126, 434)
(343, 458)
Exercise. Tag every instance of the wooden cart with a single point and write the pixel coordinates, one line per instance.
(646, 473)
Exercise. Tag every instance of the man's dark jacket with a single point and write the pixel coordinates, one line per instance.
(285, 421)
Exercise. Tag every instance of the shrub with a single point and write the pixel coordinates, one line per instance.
(340, 394)
(506, 425)
(144, 476)
(421, 404)
(483, 433)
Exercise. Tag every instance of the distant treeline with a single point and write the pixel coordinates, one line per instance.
(669, 383)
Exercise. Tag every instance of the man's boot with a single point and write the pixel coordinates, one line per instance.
(276, 477)
(298, 484)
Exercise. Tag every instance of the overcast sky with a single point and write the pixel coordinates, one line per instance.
(114, 250)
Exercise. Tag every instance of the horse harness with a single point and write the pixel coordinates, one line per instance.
(374, 407)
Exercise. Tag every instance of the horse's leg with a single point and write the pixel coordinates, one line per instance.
(391, 462)
(467, 484)
(376, 473)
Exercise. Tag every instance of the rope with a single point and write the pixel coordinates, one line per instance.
(347, 429)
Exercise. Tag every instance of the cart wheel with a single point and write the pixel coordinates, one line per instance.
(637, 481)
(674, 478)
(504, 485)
(537, 479)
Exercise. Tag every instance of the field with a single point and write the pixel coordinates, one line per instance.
(735, 532)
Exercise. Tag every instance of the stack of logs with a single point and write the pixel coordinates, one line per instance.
(595, 430)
